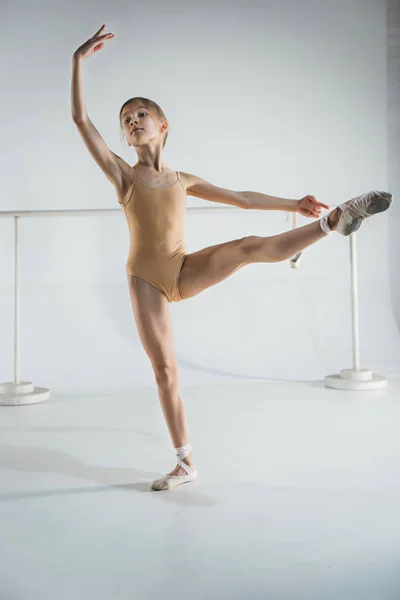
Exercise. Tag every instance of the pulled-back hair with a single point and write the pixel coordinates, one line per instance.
(148, 104)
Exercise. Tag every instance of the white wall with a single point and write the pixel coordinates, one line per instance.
(393, 44)
(275, 96)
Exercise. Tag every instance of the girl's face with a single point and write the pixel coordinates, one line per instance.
(148, 125)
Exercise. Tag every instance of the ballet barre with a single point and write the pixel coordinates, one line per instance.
(19, 392)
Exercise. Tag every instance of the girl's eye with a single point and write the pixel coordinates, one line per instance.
(141, 114)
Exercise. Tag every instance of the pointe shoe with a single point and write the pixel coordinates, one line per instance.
(356, 210)
(170, 481)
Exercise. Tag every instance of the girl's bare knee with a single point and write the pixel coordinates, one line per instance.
(166, 375)
(249, 245)
(260, 249)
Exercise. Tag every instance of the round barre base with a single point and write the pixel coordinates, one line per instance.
(350, 379)
(22, 393)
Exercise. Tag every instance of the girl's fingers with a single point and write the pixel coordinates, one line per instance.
(102, 37)
(97, 33)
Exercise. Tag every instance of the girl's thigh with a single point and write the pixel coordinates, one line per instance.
(152, 316)
(213, 264)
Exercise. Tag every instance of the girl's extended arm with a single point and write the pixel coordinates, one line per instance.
(104, 157)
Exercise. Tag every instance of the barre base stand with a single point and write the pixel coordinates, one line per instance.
(12, 394)
(350, 379)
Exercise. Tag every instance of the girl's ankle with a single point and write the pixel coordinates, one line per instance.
(333, 218)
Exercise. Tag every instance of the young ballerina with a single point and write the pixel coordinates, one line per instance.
(159, 269)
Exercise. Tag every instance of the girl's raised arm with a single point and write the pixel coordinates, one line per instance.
(105, 158)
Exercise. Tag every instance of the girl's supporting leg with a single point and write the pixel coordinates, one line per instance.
(209, 266)
(152, 316)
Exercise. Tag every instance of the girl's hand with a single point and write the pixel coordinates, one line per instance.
(93, 44)
(309, 207)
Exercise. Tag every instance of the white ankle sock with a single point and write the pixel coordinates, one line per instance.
(324, 220)
(324, 224)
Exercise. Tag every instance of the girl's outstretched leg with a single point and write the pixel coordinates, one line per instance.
(206, 267)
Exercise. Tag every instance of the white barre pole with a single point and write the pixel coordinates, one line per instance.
(17, 392)
(16, 305)
(355, 379)
(354, 303)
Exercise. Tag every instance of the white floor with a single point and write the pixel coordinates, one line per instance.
(297, 497)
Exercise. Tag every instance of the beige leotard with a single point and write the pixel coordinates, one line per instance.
(156, 223)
